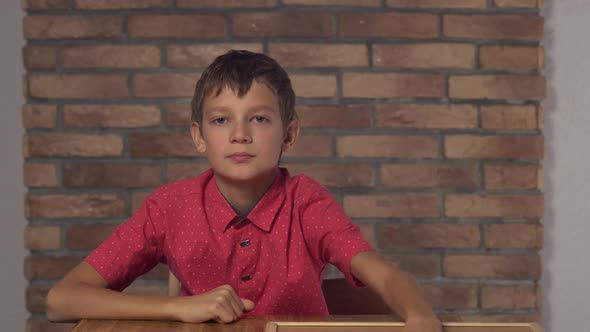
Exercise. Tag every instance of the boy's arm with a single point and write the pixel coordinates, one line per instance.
(397, 288)
(82, 293)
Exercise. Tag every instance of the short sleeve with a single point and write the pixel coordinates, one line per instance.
(337, 239)
(134, 247)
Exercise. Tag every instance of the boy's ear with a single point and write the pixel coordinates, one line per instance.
(198, 137)
(291, 135)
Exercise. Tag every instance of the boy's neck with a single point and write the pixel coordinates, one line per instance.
(243, 196)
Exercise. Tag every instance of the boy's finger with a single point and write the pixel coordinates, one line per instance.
(225, 313)
(235, 302)
(236, 306)
(248, 305)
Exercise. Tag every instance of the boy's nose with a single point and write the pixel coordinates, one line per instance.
(241, 134)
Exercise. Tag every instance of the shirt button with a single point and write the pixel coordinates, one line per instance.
(245, 243)
(246, 278)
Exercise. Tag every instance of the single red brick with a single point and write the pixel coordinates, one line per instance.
(67, 145)
(120, 4)
(201, 55)
(282, 24)
(519, 3)
(512, 176)
(45, 4)
(39, 116)
(513, 87)
(334, 116)
(314, 86)
(348, 3)
(312, 145)
(40, 174)
(172, 144)
(392, 206)
(38, 267)
(164, 85)
(111, 56)
(511, 27)
(319, 55)
(334, 175)
(177, 26)
(426, 116)
(505, 57)
(39, 57)
(424, 55)
(447, 4)
(42, 237)
(101, 175)
(428, 236)
(502, 236)
(494, 206)
(111, 116)
(509, 117)
(224, 3)
(72, 27)
(540, 118)
(77, 86)
(429, 176)
(390, 24)
(387, 146)
(392, 85)
(178, 115)
(36, 296)
(88, 236)
(497, 267)
(442, 296)
(494, 146)
(510, 298)
(74, 206)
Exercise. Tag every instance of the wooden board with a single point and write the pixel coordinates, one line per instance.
(358, 326)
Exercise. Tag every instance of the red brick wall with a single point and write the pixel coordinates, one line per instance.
(421, 116)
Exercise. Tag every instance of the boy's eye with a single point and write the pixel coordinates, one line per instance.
(260, 119)
(219, 121)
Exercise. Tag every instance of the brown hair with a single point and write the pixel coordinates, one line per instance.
(237, 69)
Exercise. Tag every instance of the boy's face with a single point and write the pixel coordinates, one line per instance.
(243, 137)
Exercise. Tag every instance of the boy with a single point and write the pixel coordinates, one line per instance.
(243, 237)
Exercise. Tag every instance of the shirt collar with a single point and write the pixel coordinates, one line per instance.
(221, 214)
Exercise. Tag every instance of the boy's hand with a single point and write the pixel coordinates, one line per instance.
(220, 304)
(422, 324)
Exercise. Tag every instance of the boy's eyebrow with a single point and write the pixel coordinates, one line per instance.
(264, 108)
(214, 109)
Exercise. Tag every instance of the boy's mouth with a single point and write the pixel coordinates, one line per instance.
(240, 156)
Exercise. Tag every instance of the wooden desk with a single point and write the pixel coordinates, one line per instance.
(369, 323)
(251, 324)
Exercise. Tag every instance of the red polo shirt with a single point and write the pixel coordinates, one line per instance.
(274, 257)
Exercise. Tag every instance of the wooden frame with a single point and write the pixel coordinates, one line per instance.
(353, 326)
